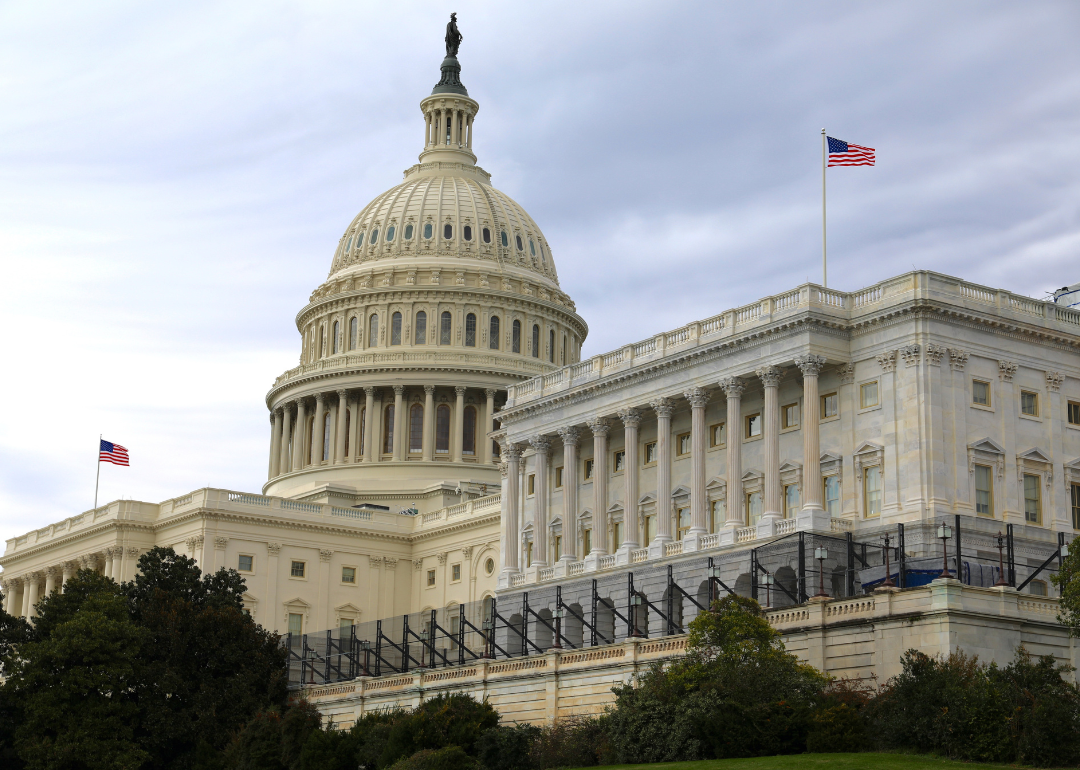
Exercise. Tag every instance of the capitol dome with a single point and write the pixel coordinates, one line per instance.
(442, 291)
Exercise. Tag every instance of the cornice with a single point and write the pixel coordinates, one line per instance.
(93, 531)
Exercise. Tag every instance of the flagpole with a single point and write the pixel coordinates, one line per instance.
(824, 263)
(97, 479)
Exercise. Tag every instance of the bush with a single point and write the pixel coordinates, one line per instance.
(507, 747)
(443, 721)
(574, 742)
(449, 758)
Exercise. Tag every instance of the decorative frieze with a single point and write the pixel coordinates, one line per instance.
(273, 548)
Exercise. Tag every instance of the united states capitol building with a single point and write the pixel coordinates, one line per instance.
(456, 499)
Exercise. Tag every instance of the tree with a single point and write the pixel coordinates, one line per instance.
(1067, 580)
(13, 632)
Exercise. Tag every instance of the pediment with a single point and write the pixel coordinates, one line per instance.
(1073, 465)
(298, 603)
(790, 466)
(348, 608)
(527, 528)
(648, 497)
(615, 507)
(753, 475)
(1035, 455)
(716, 482)
(868, 446)
(829, 457)
(556, 520)
(680, 491)
(987, 445)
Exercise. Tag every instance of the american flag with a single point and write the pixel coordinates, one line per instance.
(112, 453)
(843, 154)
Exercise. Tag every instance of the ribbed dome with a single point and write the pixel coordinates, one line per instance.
(410, 223)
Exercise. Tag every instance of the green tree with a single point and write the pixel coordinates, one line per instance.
(13, 632)
(1067, 580)
(445, 720)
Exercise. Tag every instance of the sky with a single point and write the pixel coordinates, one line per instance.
(174, 178)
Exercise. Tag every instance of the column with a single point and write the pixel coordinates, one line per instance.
(489, 425)
(770, 379)
(50, 580)
(24, 609)
(631, 419)
(368, 449)
(284, 459)
(108, 562)
(427, 129)
(511, 527)
(318, 434)
(663, 409)
(118, 564)
(299, 431)
(599, 427)
(570, 438)
(354, 429)
(400, 420)
(330, 421)
(429, 423)
(275, 443)
(69, 571)
(733, 388)
(32, 594)
(454, 127)
(8, 588)
(270, 617)
(443, 117)
(699, 520)
(342, 410)
(459, 423)
(541, 447)
(811, 515)
(470, 119)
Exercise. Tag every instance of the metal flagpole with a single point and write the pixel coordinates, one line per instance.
(97, 479)
(824, 264)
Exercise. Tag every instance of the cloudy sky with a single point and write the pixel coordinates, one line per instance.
(174, 178)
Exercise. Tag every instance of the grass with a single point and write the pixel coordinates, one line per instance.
(865, 761)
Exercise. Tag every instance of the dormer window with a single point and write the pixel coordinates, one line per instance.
(505, 241)
(532, 248)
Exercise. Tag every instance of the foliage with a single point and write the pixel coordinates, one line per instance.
(446, 720)
(580, 742)
(507, 747)
(448, 758)
(13, 632)
(1067, 580)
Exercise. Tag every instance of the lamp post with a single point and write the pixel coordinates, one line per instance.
(365, 645)
(944, 531)
(768, 580)
(1001, 581)
(888, 570)
(635, 607)
(714, 576)
(821, 554)
(559, 613)
(423, 647)
(488, 627)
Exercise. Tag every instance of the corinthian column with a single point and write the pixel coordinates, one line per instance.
(631, 419)
(8, 589)
(369, 450)
(342, 410)
(355, 406)
(663, 409)
(489, 419)
(511, 524)
(770, 378)
(459, 424)
(400, 421)
(699, 521)
(32, 594)
(599, 427)
(733, 388)
(318, 435)
(275, 443)
(429, 423)
(299, 434)
(541, 447)
(284, 458)
(570, 438)
(50, 579)
(811, 514)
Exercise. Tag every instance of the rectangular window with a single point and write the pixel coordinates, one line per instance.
(586, 541)
(683, 522)
(1074, 413)
(753, 425)
(528, 554)
(1032, 499)
(980, 392)
(455, 572)
(718, 435)
(872, 491)
(619, 461)
(558, 477)
(348, 575)
(296, 623)
(1076, 505)
(650, 453)
(588, 469)
(247, 563)
(717, 514)
(682, 443)
(297, 569)
(830, 405)
(832, 494)
(984, 490)
(1037, 588)
(1029, 403)
(868, 394)
(791, 500)
(532, 484)
(616, 535)
(430, 578)
(345, 627)
(650, 529)
(557, 546)
(790, 415)
(754, 507)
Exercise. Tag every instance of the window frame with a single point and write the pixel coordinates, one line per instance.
(455, 573)
(716, 427)
(989, 394)
(649, 446)
(618, 460)
(558, 483)
(682, 438)
(355, 575)
(587, 467)
(866, 471)
(825, 480)
(1037, 478)
(835, 396)
(989, 470)
(1074, 491)
(292, 569)
(789, 510)
(863, 404)
(1034, 394)
(748, 422)
(784, 413)
(251, 568)
(432, 579)
(530, 485)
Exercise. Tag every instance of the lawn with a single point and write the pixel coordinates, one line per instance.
(867, 761)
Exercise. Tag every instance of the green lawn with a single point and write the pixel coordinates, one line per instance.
(868, 761)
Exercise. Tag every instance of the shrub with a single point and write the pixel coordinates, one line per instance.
(443, 721)
(449, 758)
(573, 742)
(507, 747)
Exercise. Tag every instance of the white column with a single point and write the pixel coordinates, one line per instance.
(369, 450)
(489, 425)
(427, 129)
(68, 572)
(511, 527)
(663, 409)
(32, 594)
(811, 515)
(299, 431)
(342, 410)
(284, 458)
(355, 438)
(631, 419)
(399, 420)
(541, 449)
(599, 427)
(459, 423)
(50, 580)
(770, 379)
(24, 611)
(275, 443)
(108, 562)
(8, 588)
(570, 438)
(429, 423)
(699, 521)
(733, 388)
(319, 433)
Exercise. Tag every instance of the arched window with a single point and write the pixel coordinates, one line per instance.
(348, 243)
(322, 341)
(388, 429)
(375, 235)
(390, 233)
(408, 232)
(427, 230)
(466, 233)
(334, 341)
(532, 249)
(486, 233)
(468, 431)
(373, 330)
(309, 440)
(562, 351)
(518, 239)
(421, 328)
(348, 430)
(442, 429)
(395, 329)
(516, 337)
(363, 426)
(359, 240)
(493, 333)
(447, 232)
(470, 331)
(551, 346)
(445, 327)
(505, 242)
(416, 428)
(352, 333)
(536, 341)
(326, 437)
(542, 257)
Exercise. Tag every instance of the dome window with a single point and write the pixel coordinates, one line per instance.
(515, 338)
(486, 233)
(493, 333)
(395, 329)
(421, 328)
(375, 236)
(466, 233)
(542, 257)
(536, 341)
(359, 240)
(446, 325)
(390, 233)
(447, 232)
(408, 232)
(520, 245)
(532, 248)
(505, 240)
(348, 245)
(427, 230)
(470, 331)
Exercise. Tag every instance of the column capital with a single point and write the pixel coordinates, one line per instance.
(732, 386)
(325, 555)
(662, 406)
(460, 390)
(540, 444)
(220, 543)
(697, 397)
(810, 364)
(1054, 380)
(300, 403)
(52, 571)
(630, 417)
(429, 390)
(599, 426)
(274, 415)
(398, 390)
(847, 374)
(570, 436)
(273, 548)
(510, 451)
(320, 397)
(770, 376)
(342, 393)
(369, 390)
(491, 392)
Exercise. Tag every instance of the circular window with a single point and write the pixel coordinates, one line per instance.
(466, 233)
(487, 235)
(390, 233)
(489, 566)
(519, 245)
(504, 239)
(447, 232)
(408, 232)
(375, 235)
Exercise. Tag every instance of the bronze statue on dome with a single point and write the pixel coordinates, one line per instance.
(453, 36)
